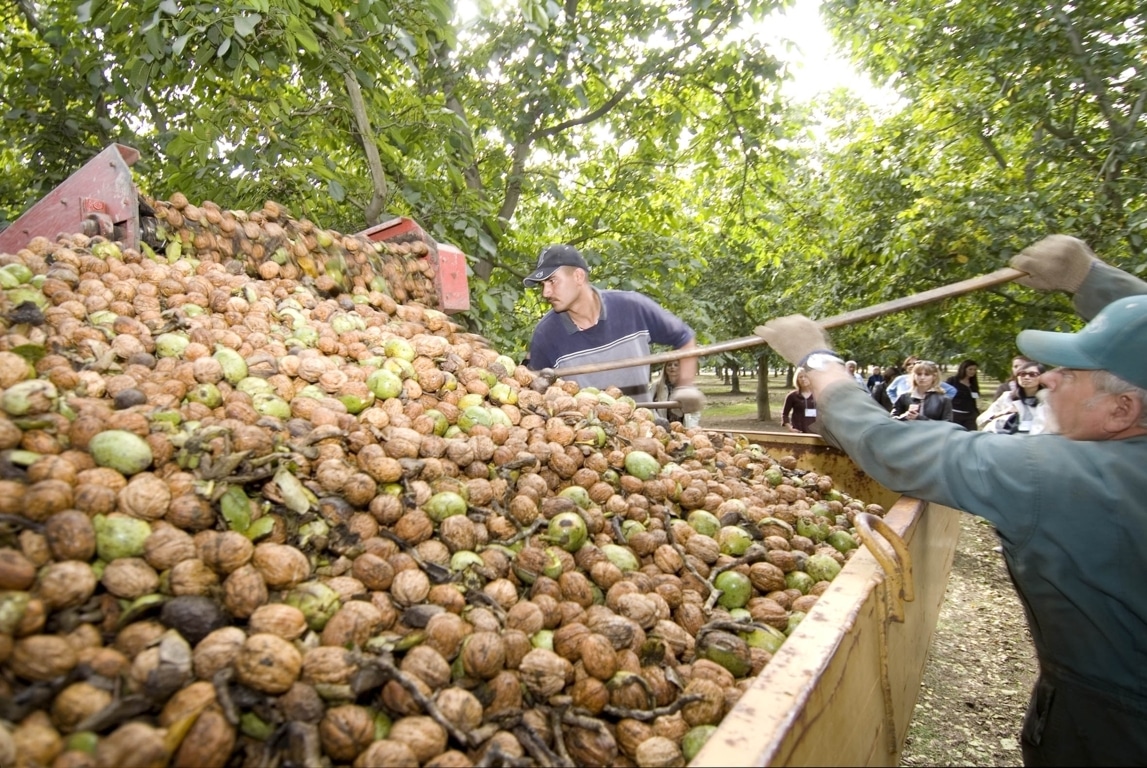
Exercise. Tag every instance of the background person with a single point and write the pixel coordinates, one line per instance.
(925, 400)
(903, 382)
(586, 325)
(966, 401)
(1022, 410)
(1009, 384)
(799, 410)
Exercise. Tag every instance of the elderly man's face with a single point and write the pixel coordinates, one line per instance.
(1078, 410)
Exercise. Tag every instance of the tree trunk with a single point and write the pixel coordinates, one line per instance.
(763, 412)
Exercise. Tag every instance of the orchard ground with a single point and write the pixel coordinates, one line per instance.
(981, 664)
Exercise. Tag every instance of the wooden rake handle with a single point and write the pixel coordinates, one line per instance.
(990, 280)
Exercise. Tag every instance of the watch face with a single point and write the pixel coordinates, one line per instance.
(820, 362)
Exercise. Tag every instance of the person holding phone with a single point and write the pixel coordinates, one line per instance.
(925, 400)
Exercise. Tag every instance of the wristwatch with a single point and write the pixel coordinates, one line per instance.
(820, 360)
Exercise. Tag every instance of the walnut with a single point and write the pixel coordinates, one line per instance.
(804, 603)
(145, 496)
(659, 752)
(244, 591)
(425, 737)
(426, 664)
(631, 733)
(397, 699)
(598, 656)
(345, 731)
(328, 665)
(517, 644)
(191, 577)
(591, 746)
(544, 673)
(209, 742)
(352, 625)
(71, 535)
(638, 608)
(576, 588)
(65, 584)
(223, 551)
(388, 752)
(280, 565)
(505, 693)
(410, 586)
(483, 655)
(460, 707)
(16, 570)
(708, 710)
(445, 633)
(216, 651)
(268, 663)
(130, 577)
(166, 546)
(619, 630)
(76, 703)
(286, 621)
(134, 743)
(42, 657)
(590, 694)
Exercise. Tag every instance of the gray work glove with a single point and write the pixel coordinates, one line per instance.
(1056, 263)
(692, 400)
(794, 337)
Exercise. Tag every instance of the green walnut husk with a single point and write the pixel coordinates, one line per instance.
(694, 739)
(123, 451)
(642, 465)
(736, 589)
(444, 504)
(118, 535)
(822, 568)
(568, 531)
(726, 649)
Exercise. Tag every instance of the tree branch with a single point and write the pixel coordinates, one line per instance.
(370, 147)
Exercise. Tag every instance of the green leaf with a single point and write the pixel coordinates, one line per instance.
(246, 24)
(235, 507)
(260, 528)
(178, 44)
(170, 7)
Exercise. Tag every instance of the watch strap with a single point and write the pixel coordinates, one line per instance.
(828, 352)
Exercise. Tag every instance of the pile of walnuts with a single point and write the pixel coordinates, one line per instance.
(253, 514)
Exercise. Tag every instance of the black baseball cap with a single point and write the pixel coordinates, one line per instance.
(552, 257)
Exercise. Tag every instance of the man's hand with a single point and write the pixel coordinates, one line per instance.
(692, 400)
(1056, 263)
(793, 337)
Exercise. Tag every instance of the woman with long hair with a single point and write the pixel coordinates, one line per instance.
(1020, 411)
(966, 401)
(925, 400)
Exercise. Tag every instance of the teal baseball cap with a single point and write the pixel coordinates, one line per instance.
(1115, 341)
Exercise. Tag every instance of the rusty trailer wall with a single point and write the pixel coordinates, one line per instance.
(843, 690)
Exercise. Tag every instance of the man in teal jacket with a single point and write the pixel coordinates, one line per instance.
(1070, 508)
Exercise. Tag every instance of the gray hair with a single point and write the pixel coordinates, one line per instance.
(1110, 384)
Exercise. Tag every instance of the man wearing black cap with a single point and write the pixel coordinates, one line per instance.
(1070, 508)
(586, 325)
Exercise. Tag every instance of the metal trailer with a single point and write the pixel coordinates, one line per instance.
(841, 691)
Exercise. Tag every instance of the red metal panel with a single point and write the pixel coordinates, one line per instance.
(449, 263)
(450, 279)
(94, 200)
(394, 229)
